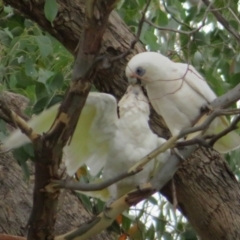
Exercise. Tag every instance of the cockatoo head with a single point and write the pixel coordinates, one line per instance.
(146, 67)
(134, 101)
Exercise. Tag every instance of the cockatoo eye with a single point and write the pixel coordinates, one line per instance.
(140, 71)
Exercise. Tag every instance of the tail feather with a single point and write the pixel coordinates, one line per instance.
(230, 141)
(227, 143)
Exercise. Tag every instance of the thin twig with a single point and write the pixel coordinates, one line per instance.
(231, 127)
(207, 122)
(234, 15)
(56, 184)
(199, 140)
(175, 30)
(178, 21)
(17, 121)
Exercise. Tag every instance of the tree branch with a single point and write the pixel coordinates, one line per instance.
(15, 120)
(56, 184)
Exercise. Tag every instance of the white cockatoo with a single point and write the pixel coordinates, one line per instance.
(178, 92)
(102, 140)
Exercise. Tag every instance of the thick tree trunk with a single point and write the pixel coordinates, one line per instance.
(207, 191)
(208, 195)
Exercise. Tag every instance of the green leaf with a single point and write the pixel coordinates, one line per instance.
(151, 233)
(234, 24)
(161, 223)
(54, 100)
(50, 9)
(115, 227)
(200, 38)
(153, 200)
(85, 201)
(22, 154)
(17, 31)
(23, 81)
(40, 105)
(189, 235)
(6, 30)
(55, 83)
(28, 148)
(41, 90)
(4, 38)
(44, 75)
(235, 79)
(150, 39)
(98, 206)
(161, 19)
(44, 44)
(126, 222)
(167, 236)
(29, 67)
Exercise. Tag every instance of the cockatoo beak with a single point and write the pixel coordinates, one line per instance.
(133, 79)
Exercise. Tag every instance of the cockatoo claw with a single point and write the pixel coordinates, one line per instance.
(107, 207)
(206, 108)
(141, 187)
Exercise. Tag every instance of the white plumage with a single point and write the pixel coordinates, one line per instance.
(177, 93)
(102, 140)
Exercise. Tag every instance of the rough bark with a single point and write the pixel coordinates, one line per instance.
(207, 191)
(16, 195)
(208, 195)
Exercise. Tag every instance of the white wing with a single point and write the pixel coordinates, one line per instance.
(39, 124)
(94, 131)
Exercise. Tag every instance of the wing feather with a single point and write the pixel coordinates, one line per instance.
(95, 129)
(39, 124)
(194, 79)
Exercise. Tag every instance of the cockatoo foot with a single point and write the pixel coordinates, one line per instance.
(144, 188)
(205, 109)
(141, 187)
(107, 207)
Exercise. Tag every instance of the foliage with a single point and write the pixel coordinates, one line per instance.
(34, 64)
